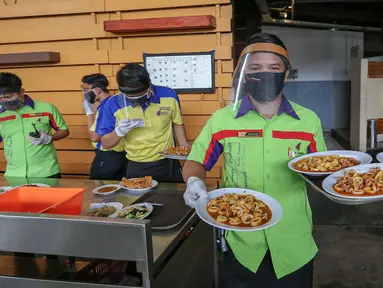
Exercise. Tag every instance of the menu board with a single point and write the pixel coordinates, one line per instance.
(184, 72)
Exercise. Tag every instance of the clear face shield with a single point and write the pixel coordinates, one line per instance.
(9, 98)
(260, 73)
(134, 97)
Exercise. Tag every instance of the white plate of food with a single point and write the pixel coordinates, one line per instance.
(176, 153)
(106, 189)
(140, 185)
(5, 189)
(135, 211)
(248, 210)
(41, 185)
(104, 209)
(379, 157)
(360, 182)
(328, 162)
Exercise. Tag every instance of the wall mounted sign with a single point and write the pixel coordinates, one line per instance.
(183, 72)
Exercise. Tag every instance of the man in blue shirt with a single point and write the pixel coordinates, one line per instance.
(108, 164)
(146, 117)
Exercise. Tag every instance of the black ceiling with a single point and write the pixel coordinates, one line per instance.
(368, 13)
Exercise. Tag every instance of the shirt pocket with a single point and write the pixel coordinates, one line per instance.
(42, 124)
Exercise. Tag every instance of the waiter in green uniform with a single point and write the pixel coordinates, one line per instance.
(26, 130)
(107, 164)
(257, 135)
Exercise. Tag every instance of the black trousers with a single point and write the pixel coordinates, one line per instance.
(165, 170)
(108, 165)
(233, 275)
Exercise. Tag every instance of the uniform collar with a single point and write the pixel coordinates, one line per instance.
(285, 107)
(154, 98)
(28, 101)
(103, 102)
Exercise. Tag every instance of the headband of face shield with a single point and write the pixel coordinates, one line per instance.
(263, 85)
(10, 103)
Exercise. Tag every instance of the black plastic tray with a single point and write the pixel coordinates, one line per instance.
(171, 214)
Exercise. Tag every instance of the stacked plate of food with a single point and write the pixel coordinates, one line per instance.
(239, 209)
(350, 178)
(326, 163)
(177, 153)
(360, 184)
(140, 185)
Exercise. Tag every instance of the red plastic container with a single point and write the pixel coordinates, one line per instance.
(62, 201)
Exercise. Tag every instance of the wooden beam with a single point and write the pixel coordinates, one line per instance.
(160, 24)
(375, 69)
(29, 58)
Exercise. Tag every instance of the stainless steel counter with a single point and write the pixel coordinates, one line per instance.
(163, 243)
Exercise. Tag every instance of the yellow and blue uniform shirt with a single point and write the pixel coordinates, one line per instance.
(256, 152)
(143, 144)
(23, 158)
(97, 145)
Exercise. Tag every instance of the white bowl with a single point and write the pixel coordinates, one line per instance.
(116, 186)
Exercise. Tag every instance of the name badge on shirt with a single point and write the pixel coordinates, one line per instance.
(249, 134)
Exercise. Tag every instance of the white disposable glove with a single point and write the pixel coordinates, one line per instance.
(87, 107)
(195, 188)
(42, 140)
(125, 125)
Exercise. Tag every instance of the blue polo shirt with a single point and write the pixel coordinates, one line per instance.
(97, 145)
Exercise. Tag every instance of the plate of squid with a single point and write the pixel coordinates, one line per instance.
(239, 209)
(359, 182)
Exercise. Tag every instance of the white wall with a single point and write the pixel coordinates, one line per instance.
(319, 55)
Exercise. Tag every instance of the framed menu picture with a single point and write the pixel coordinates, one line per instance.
(183, 72)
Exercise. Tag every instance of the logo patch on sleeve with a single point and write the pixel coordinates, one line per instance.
(295, 152)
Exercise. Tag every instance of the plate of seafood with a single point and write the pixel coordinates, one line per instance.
(328, 162)
(360, 182)
(238, 209)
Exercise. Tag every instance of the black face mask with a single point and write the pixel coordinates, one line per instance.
(90, 97)
(11, 104)
(139, 100)
(264, 87)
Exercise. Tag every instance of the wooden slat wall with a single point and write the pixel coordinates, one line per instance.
(74, 28)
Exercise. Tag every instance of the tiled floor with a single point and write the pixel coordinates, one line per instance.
(332, 144)
(350, 241)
